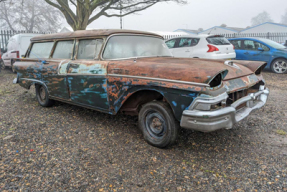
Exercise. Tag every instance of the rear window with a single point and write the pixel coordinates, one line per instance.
(217, 40)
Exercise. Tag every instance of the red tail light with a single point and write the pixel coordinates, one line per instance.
(17, 52)
(212, 48)
(233, 47)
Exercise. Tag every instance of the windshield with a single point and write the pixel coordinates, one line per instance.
(217, 40)
(273, 44)
(127, 46)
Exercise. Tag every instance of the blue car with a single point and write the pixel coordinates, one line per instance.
(259, 49)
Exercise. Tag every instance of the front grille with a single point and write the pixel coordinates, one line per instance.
(232, 97)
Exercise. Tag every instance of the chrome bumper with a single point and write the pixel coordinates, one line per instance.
(208, 121)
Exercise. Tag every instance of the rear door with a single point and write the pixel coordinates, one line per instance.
(87, 75)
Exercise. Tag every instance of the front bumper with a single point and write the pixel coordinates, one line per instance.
(208, 121)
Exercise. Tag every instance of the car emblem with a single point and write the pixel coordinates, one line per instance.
(226, 48)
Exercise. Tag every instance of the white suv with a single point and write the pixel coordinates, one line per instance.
(201, 46)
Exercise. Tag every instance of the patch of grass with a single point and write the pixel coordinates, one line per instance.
(281, 132)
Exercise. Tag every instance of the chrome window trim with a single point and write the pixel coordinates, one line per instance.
(131, 34)
(160, 79)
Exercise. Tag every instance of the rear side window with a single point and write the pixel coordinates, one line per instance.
(89, 49)
(236, 43)
(171, 43)
(64, 50)
(217, 40)
(41, 50)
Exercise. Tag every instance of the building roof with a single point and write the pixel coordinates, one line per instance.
(90, 33)
(278, 24)
(190, 31)
(238, 29)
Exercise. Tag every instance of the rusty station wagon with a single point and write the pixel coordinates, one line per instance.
(134, 73)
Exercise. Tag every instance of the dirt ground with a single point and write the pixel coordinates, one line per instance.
(69, 148)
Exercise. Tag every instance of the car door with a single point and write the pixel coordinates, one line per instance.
(87, 75)
(251, 51)
(239, 49)
(54, 71)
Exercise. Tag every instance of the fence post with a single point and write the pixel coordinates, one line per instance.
(268, 35)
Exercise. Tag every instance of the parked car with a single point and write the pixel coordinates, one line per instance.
(134, 73)
(2, 66)
(201, 46)
(259, 49)
(16, 47)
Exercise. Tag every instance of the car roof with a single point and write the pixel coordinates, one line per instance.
(250, 38)
(194, 36)
(90, 33)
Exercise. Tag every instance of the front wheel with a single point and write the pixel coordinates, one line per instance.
(43, 96)
(279, 66)
(158, 124)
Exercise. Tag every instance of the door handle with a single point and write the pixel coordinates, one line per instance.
(247, 53)
(187, 51)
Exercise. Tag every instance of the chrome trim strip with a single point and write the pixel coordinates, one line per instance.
(160, 79)
(34, 80)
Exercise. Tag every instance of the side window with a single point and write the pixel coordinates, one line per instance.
(249, 45)
(171, 43)
(89, 49)
(194, 41)
(41, 50)
(64, 50)
(265, 48)
(185, 42)
(236, 43)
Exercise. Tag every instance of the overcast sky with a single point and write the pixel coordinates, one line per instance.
(196, 14)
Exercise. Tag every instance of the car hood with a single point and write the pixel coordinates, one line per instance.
(182, 69)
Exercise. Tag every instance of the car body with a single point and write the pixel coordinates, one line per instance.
(16, 47)
(259, 49)
(134, 73)
(201, 46)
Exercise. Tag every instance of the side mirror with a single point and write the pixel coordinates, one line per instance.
(260, 49)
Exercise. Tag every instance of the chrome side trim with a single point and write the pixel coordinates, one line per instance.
(160, 79)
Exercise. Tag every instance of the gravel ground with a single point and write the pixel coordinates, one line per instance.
(69, 148)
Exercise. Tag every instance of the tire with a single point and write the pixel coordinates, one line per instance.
(43, 96)
(12, 66)
(279, 66)
(158, 124)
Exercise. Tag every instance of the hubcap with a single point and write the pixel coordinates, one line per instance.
(155, 124)
(42, 94)
(280, 66)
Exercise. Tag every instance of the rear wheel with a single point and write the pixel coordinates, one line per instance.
(158, 124)
(279, 66)
(43, 96)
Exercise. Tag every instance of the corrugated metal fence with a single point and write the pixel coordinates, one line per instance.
(278, 37)
(6, 34)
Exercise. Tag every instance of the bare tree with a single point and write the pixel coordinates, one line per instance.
(88, 11)
(284, 18)
(261, 18)
(29, 15)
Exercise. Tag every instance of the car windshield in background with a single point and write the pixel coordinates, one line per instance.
(217, 40)
(120, 47)
(273, 44)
